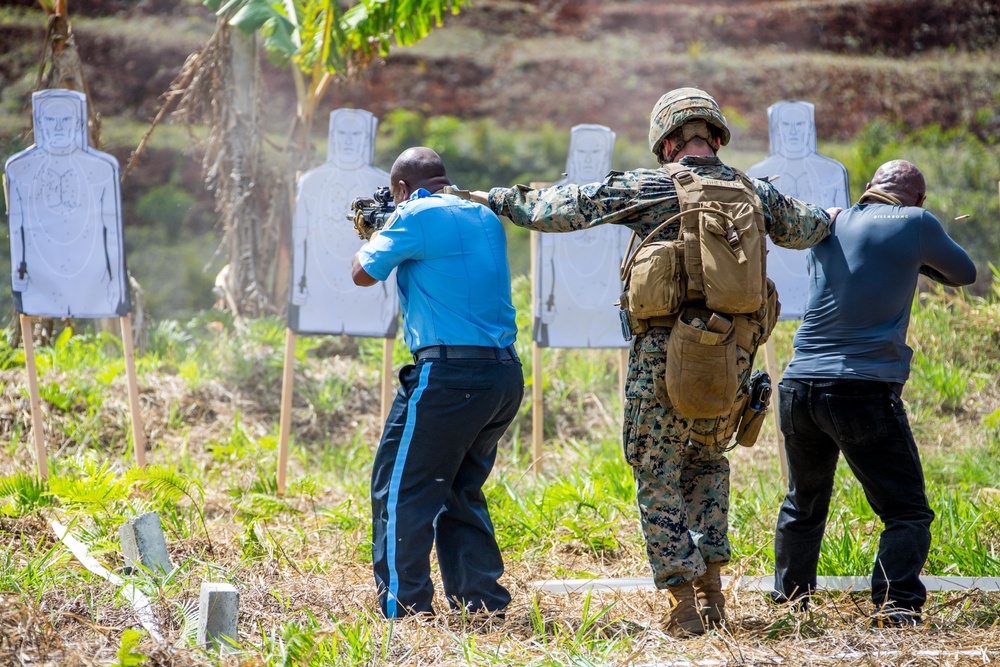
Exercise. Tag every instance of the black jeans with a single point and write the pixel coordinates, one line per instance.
(867, 422)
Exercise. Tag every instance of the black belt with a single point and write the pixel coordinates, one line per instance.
(445, 352)
(862, 387)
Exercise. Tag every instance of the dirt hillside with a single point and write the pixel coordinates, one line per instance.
(525, 62)
(918, 61)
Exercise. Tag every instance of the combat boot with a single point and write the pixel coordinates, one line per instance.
(683, 619)
(711, 601)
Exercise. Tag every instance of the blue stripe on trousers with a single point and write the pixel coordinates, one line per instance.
(394, 482)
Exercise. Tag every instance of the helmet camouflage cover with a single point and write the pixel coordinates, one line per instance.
(680, 106)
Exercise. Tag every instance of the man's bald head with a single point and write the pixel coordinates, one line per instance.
(902, 180)
(418, 167)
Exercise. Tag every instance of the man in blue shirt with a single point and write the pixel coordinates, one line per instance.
(454, 402)
(841, 391)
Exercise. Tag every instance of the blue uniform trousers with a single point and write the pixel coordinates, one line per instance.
(437, 450)
(867, 422)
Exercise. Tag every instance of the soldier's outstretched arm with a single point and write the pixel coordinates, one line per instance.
(792, 223)
(568, 208)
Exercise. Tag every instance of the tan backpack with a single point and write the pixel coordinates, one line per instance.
(718, 257)
(716, 265)
(724, 244)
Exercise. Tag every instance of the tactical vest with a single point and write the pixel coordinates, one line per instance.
(716, 265)
(718, 257)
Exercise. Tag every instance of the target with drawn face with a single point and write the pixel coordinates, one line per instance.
(806, 175)
(576, 281)
(322, 297)
(67, 255)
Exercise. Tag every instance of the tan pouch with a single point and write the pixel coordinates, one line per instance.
(631, 326)
(751, 422)
(755, 406)
(748, 333)
(732, 270)
(701, 368)
(654, 284)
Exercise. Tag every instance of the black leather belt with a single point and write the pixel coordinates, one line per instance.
(466, 352)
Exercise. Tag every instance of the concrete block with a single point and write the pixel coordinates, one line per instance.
(143, 544)
(218, 610)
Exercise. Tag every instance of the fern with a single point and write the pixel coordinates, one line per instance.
(10, 358)
(262, 507)
(186, 615)
(169, 486)
(29, 493)
(165, 483)
(97, 491)
(128, 656)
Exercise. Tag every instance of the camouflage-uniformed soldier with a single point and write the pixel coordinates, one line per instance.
(682, 487)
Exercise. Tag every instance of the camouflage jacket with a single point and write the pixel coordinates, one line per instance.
(643, 198)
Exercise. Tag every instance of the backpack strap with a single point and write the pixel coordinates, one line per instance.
(688, 187)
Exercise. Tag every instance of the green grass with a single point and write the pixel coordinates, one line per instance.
(302, 561)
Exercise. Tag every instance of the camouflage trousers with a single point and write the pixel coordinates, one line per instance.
(682, 487)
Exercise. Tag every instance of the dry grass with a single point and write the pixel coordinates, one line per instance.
(311, 566)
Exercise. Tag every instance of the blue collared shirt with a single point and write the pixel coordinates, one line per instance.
(452, 273)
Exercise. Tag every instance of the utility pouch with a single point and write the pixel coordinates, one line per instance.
(655, 287)
(701, 375)
(732, 270)
(631, 326)
(758, 402)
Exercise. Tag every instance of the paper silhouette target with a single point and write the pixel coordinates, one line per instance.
(64, 205)
(576, 281)
(322, 296)
(806, 175)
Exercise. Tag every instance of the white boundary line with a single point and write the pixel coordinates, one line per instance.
(764, 583)
(983, 655)
(138, 600)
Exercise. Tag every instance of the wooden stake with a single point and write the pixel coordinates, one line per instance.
(37, 434)
(537, 397)
(537, 408)
(772, 369)
(138, 435)
(387, 376)
(285, 418)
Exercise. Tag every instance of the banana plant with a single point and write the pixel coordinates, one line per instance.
(319, 42)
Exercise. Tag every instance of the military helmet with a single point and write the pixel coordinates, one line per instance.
(680, 106)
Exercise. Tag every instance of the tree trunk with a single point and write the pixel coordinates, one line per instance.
(248, 260)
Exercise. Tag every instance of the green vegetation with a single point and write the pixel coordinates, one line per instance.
(173, 251)
(210, 390)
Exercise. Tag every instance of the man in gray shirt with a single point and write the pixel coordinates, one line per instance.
(841, 391)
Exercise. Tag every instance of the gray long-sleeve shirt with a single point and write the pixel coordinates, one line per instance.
(861, 283)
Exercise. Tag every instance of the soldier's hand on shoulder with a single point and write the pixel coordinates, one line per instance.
(833, 212)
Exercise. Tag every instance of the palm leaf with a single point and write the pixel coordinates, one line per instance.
(165, 483)
(29, 492)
